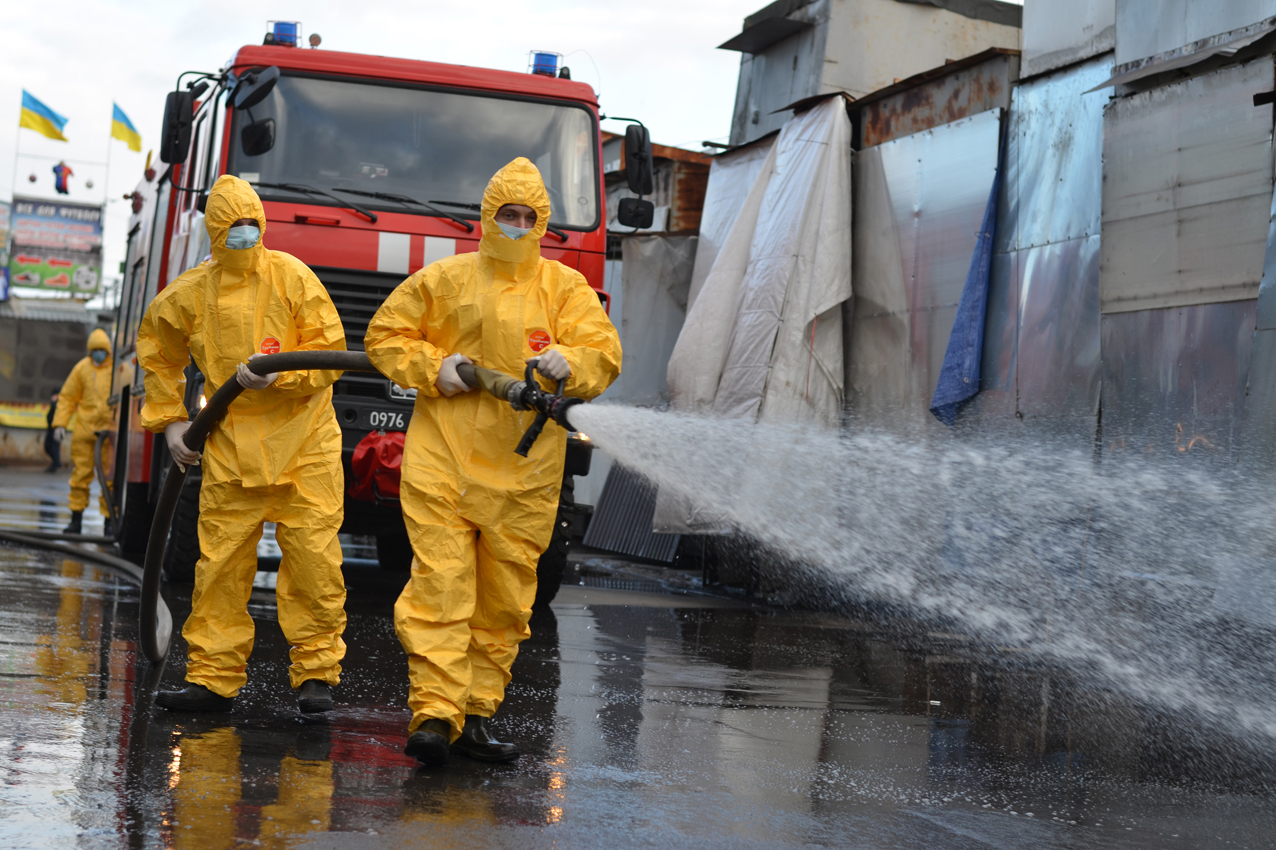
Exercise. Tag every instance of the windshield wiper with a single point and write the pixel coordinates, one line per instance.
(310, 190)
(478, 208)
(406, 201)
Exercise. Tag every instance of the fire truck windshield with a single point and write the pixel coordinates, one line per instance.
(428, 144)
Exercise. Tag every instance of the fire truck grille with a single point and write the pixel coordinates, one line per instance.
(357, 296)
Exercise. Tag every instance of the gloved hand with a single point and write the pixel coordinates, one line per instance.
(552, 364)
(185, 456)
(252, 381)
(59, 434)
(449, 383)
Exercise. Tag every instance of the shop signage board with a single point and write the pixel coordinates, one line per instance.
(55, 246)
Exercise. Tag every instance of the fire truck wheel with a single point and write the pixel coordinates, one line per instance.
(394, 551)
(553, 563)
(135, 522)
(183, 539)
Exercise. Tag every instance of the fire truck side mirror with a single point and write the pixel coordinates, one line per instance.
(179, 114)
(253, 87)
(638, 166)
(635, 212)
(258, 137)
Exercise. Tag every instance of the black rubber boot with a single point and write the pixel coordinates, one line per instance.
(194, 698)
(477, 743)
(428, 743)
(314, 696)
(77, 522)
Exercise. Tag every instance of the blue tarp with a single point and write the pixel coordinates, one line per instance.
(959, 376)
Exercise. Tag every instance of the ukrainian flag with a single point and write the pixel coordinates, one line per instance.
(122, 129)
(36, 116)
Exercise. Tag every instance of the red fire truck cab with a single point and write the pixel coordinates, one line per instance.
(369, 168)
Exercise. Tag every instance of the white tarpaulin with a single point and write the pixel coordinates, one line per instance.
(763, 335)
(731, 177)
(763, 338)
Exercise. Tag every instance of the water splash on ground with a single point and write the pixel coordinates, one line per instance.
(1157, 578)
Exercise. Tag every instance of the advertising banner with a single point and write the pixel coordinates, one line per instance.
(4, 250)
(55, 246)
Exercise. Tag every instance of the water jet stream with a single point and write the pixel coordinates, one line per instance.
(1153, 577)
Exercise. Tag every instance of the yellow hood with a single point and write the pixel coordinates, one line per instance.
(517, 183)
(230, 200)
(99, 340)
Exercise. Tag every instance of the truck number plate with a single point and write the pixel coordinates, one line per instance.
(386, 420)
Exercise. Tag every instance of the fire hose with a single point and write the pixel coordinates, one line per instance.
(61, 541)
(156, 620)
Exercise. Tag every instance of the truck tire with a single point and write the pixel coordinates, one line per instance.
(553, 562)
(394, 551)
(135, 522)
(183, 539)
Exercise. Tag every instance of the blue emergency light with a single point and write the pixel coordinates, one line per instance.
(284, 33)
(545, 64)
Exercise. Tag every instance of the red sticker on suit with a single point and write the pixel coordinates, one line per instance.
(539, 340)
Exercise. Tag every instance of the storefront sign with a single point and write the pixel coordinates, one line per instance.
(55, 246)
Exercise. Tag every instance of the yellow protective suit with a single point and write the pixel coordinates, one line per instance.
(276, 456)
(480, 516)
(84, 396)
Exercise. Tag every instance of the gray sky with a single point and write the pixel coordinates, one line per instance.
(655, 60)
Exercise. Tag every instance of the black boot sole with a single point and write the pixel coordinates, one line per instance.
(314, 706)
(427, 748)
(485, 757)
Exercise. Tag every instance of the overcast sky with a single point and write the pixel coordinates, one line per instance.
(655, 60)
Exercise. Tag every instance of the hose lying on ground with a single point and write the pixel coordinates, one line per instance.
(156, 619)
(155, 633)
(60, 541)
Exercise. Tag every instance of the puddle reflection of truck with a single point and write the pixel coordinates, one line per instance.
(369, 168)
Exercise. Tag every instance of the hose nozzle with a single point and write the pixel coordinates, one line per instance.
(523, 395)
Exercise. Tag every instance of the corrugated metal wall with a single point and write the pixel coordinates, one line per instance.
(1187, 184)
(1041, 343)
(918, 204)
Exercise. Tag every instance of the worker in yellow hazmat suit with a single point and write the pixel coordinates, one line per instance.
(84, 395)
(276, 456)
(480, 516)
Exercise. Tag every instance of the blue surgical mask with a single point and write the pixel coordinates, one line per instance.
(244, 236)
(515, 233)
(98, 355)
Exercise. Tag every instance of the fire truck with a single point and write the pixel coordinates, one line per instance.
(369, 168)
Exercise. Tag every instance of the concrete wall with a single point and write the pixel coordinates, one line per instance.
(856, 46)
(788, 70)
(1147, 27)
(873, 43)
(36, 357)
(1058, 33)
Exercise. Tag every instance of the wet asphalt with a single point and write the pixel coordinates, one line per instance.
(645, 719)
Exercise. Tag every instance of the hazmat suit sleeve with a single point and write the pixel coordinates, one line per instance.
(163, 351)
(69, 396)
(588, 339)
(318, 329)
(396, 342)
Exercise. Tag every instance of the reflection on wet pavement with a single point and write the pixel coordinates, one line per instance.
(643, 724)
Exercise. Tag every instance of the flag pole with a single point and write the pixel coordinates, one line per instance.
(17, 148)
(106, 189)
(106, 195)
